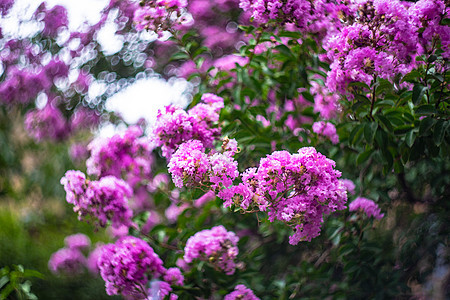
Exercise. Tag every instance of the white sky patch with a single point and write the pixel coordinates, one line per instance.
(143, 98)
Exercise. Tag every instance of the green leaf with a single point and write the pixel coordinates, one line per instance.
(385, 122)
(283, 49)
(439, 131)
(409, 138)
(402, 129)
(179, 56)
(418, 92)
(364, 156)
(411, 76)
(369, 131)
(425, 125)
(426, 109)
(432, 58)
(356, 134)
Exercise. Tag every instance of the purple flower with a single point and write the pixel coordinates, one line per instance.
(297, 189)
(174, 276)
(67, 261)
(216, 246)
(46, 123)
(367, 206)
(5, 6)
(241, 292)
(349, 185)
(22, 86)
(128, 265)
(92, 261)
(326, 129)
(54, 19)
(105, 200)
(77, 241)
(128, 155)
(189, 165)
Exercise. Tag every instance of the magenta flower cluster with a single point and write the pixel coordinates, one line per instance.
(103, 200)
(383, 41)
(327, 130)
(216, 246)
(128, 265)
(157, 15)
(241, 292)
(367, 206)
(70, 259)
(191, 166)
(127, 155)
(175, 126)
(298, 189)
(46, 123)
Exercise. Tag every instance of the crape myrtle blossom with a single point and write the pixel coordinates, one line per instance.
(174, 276)
(349, 185)
(369, 207)
(77, 241)
(5, 6)
(127, 155)
(67, 261)
(191, 166)
(426, 15)
(216, 246)
(159, 15)
(54, 19)
(93, 257)
(104, 200)
(383, 41)
(47, 123)
(175, 126)
(241, 292)
(159, 290)
(326, 129)
(320, 17)
(297, 189)
(128, 265)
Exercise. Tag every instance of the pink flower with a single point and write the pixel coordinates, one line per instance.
(367, 206)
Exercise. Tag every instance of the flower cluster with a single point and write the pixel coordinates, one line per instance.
(326, 129)
(216, 246)
(22, 86)
(325, 103)
(67, 261)
(191, 166)
(241, 292)
(46, 123)
(77, 241)
(367, 206)
(383, 40)
(289, 11)
(426, 15)
(70, 259)
(159, 15)
(105, 199)
(127, 266)
(128, 155)
(175, 126)
(297, 189)
(54, 19)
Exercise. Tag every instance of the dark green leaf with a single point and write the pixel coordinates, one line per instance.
(425, 125)
(409, 138)
(439, 131)
(363, 157)
(426, 109)
(418, 92)
(369, 131)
